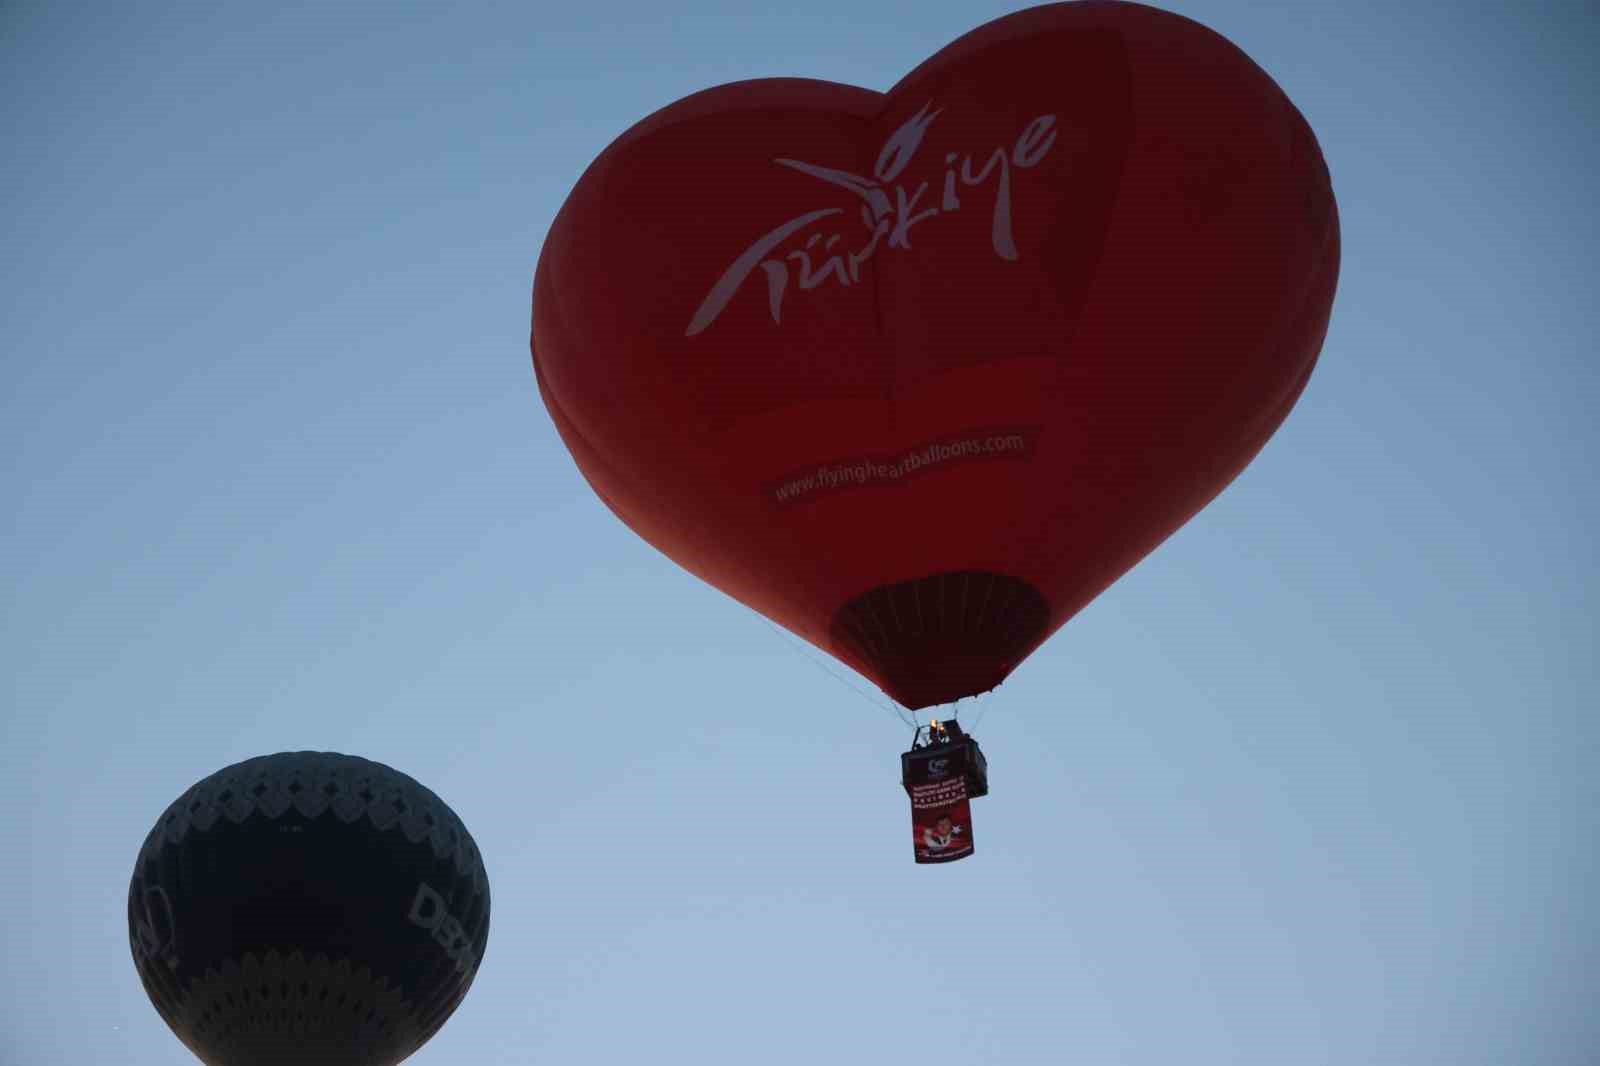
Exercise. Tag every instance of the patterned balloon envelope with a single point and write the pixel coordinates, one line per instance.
(309, 908)
(918, 374)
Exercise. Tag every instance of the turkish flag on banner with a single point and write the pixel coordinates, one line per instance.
(941, 820)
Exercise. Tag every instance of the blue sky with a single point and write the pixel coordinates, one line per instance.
(1312, 784)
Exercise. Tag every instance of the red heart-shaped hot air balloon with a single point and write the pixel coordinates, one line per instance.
(918, 374)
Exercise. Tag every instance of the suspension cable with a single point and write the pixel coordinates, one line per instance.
(792, 643)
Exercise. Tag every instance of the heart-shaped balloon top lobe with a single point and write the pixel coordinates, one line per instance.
(918, 374)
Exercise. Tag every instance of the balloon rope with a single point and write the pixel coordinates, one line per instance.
(792, 643)
(982, 712)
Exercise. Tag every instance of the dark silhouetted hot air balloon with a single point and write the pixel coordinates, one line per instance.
(918, 374)
(308, 908)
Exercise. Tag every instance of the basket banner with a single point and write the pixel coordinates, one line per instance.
(941, 820)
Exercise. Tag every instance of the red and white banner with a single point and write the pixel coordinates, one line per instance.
(941, 820)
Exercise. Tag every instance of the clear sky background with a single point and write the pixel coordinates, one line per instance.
(1313, 784)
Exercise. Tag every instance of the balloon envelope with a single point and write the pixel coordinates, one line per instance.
(307, 907)
(918, 374)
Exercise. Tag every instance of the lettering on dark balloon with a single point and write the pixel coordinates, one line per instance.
(155, 931)
(429, 911)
